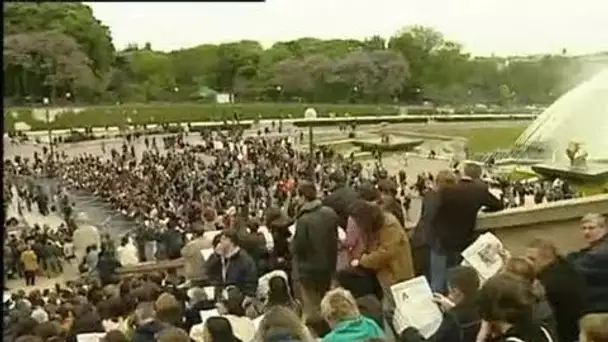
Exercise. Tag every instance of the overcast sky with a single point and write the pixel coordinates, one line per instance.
(503, 27)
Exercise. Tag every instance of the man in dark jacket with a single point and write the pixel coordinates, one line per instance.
(455, 221)
(564, 287)
(591, 262)
(341, 197)
(231, 265)
(173, 241)
(315, 246)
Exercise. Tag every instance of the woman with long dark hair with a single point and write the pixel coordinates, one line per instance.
(279, 295)
(218, 329)
(387, 249)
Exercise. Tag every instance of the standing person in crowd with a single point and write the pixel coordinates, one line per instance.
(341, 197)
(455, 221)
(389, 200)
(194, 262)
(564, 287)
(340, 310)
(84, 236)
(127, 252)
(29, 259)
(231, 265)
(315, 247)
(422, 238)
(280, 251)
(591, 262)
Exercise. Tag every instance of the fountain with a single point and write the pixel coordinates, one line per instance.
(571, 136)
(580, 115)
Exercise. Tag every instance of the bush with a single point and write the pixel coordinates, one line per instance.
(172, 113)
(181, 113)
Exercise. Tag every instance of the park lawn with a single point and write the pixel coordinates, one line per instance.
(481, 139)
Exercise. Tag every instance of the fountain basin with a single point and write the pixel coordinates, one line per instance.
(591, 173)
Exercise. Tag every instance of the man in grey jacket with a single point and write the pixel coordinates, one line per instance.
(315, 248)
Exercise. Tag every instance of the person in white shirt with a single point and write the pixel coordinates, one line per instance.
(127, 252)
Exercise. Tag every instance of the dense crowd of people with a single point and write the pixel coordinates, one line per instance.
(280, 245)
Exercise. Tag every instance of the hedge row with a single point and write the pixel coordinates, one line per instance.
(171, 113)
(404, 119)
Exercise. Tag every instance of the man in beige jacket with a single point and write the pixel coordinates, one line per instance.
(194, 261)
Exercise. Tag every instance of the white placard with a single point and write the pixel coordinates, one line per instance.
(205, 314)
(90, 337)
(207, 253)
(257, 321)
(218, 145)
(415, 307)
(341, 234)
(212, 234)
(484, 255)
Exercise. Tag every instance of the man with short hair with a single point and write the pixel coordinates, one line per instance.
(453, 226)
(564, 287)
(231, 265)
(341, 197)
(592, 262)
(315, 247)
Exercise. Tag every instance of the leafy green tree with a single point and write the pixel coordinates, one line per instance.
(46, 64)
(74, 19)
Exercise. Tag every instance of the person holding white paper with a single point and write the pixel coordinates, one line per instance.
(461, 320)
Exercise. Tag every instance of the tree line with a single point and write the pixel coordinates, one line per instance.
(62, 52)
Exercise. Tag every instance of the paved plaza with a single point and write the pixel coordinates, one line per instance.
(116, 224)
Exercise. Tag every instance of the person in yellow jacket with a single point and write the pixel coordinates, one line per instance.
(30, 265)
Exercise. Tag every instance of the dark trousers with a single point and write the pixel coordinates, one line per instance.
(440, 262)
(311, 291)
(30, 278)
(421, 255)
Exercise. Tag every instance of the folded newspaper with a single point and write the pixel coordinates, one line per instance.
(415, 307)
(90, 337)
(484, 255)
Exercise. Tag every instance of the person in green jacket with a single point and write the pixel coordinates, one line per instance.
(340, 310)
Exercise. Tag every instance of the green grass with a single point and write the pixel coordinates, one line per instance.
(589, 189)
(481, 139)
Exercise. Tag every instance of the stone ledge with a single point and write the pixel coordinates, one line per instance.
(543, 213)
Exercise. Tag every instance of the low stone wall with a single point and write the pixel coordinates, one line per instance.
(558, 222)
